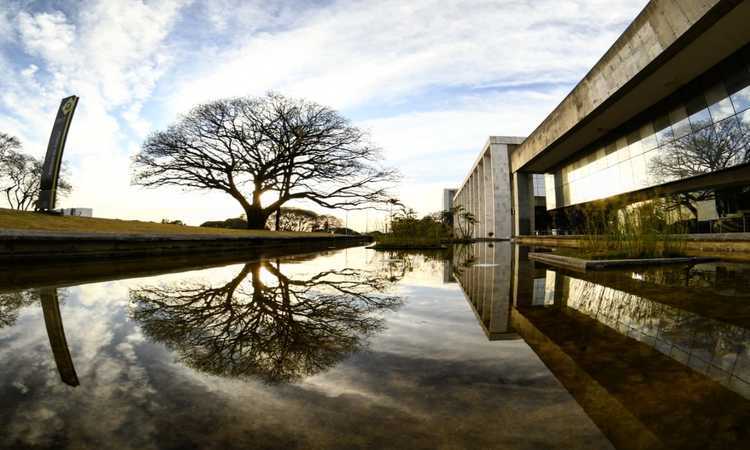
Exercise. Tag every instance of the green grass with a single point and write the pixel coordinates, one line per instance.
(22, 220)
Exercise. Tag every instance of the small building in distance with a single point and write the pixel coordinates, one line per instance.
(77, 212)
(448, 195)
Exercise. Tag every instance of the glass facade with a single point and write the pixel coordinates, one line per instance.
(539, 187)
(703, 128)
(723, 209)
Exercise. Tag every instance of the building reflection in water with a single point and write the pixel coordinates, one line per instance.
(654, 357)
(482, 272)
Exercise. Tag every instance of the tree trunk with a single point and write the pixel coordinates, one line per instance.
(256, 218)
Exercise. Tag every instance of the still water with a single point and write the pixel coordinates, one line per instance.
(477, 347)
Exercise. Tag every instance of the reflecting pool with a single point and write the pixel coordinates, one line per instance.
(477, 347)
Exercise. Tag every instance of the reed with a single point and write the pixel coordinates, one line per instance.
(641, 230)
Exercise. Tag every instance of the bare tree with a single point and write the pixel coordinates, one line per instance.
(20, 175)
(286, 148)
(724, 145)
(8, 143)
(271, 326)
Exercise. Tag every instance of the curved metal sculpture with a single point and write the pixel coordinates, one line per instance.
(51, 168)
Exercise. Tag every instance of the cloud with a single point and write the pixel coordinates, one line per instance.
(353, 52)
(47, 35)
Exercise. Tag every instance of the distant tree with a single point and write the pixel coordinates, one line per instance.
(723, 145)
(406, 224)
(235, 223)
(326, 222)
(248, 147)
(293, 219)
(20, 175)
(172, 222)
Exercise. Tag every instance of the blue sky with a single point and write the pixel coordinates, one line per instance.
(430, 80)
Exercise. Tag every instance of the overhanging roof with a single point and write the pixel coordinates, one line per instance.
(667, 45)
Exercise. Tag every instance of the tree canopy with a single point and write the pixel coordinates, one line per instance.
(21, 174)
(269, 147)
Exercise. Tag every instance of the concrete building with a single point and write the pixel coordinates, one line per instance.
(448, 195)
(485, 191)
(663, 116)
(78, 212)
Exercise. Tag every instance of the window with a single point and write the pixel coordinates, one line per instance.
(741, 99)
(634, 143)
(663, 130)
(738, 85)
(718, 102)
(648, 137)
(698, 114)
(680, 122)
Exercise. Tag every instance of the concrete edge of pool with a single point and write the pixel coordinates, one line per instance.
(582, 265)
(20, 245)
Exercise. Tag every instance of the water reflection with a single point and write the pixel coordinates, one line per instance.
(482, 272)
(56, 333)
(321, 352)
(10, 305)
(649, 355)
(265, 324)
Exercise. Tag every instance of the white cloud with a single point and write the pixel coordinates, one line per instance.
(6, 28)
(353, 52)
(47, 35)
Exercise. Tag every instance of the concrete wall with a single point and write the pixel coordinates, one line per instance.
(25, 245)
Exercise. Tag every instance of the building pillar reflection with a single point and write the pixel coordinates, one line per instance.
(483, 271)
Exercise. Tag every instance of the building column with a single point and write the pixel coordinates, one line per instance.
(489, 219)
(502, 201)
(474, 203)
(481, 216)
(523, 203)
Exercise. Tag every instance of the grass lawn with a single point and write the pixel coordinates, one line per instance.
(22, 220)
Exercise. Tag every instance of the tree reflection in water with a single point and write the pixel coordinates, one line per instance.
(280, 330)
(12, 302)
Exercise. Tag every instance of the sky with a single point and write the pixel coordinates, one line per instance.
(429, 80)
